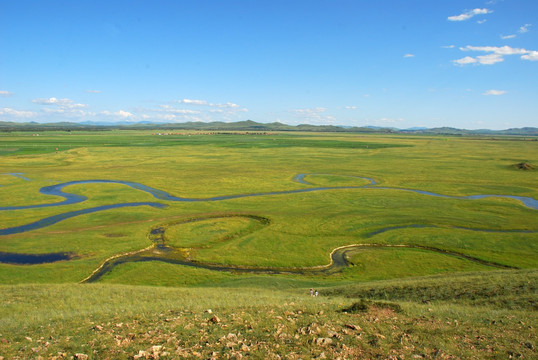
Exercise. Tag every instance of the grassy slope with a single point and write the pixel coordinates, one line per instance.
(465, 314)
(488, 319)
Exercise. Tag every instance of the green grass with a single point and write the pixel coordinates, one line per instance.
(500, 289)
(56, 141)
(118, 321)
(304, 228)
(450, 306)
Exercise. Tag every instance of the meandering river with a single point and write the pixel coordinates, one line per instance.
(338, 256)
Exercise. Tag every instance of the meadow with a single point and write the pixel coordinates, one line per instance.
(253, 239)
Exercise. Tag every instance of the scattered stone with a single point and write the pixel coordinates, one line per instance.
(141, 355)
(353, 327)
(215, 319)
(80, 356)
(209, 311)
(333, 334)
(323, 341)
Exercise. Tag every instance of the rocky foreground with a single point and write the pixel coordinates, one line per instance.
(290, 331)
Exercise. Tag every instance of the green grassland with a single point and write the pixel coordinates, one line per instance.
(453, 243)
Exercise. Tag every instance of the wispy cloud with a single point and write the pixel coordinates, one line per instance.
(17, 113)
(464, 61)
(448, 46)
(122, 114)
(522, 30)
(193, 102)
(310, 112)
(502, 50)
(387, 121)
(496, 55)
(93, 91)
(315, 115)
(173, 110)
(193, 110)
(5, 93)
(525, 28)
(207, 103)
(226, 105)
(409, 56)
(353, 107)
(469, 14)
(494, 92)
(61, 103)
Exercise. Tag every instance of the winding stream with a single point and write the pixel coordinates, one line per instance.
(162, 252)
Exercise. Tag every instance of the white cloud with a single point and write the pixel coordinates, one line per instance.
(226, 105)
(93, 91)
(5, 93)
(120, 113)
(61, 103)
(495, 92)
(353, 107)
(464, 61)
(496, 54)
(17, 113)
(469, 14)
(522, 30)
(448, 46)
(171, 109)
(408, 56)
(525, 28)
(206, 103)
(196, 110)
(489, 59)
(314, 115)
(481, 21)
(531, 56)
(311, 111)
(193, 102)
(387, 121)
(503, 50)
(123, 114)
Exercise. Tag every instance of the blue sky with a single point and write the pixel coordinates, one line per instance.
(397, 63)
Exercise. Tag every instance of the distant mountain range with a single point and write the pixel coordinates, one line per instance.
(250, 125)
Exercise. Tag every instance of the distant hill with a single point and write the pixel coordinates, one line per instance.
(249, 125)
